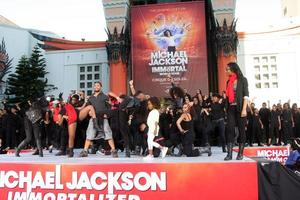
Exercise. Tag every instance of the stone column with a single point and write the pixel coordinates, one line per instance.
(118, 43)
(226, 37)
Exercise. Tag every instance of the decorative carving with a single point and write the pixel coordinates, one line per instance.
(118, 46)
(5, 62)
(227, 38)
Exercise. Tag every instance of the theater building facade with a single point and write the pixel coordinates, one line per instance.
(204, 41)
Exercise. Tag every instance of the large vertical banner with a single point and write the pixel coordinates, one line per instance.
(169, 39)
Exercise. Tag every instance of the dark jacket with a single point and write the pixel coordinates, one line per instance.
(241, 92)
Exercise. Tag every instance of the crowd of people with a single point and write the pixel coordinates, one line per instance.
(181, 125)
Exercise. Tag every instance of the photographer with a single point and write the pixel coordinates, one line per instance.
(293, 160)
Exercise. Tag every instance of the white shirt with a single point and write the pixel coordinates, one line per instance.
(152, 120)
(171, 40)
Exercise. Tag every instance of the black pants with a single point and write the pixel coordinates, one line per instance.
(175, 135)
(234, 119)
(11, 137)
(274, 131)
(187, 143)
(30, 128)
(287, 131)
(198, 128)
(249, 131)
(265, 133)
(206, 130)
(49, 133)
(220, 126)
(121, 117)
(139, 137)
(296, 129)
(62, 136)
(256, 133)
(124, 127)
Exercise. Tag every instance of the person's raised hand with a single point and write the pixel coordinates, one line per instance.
(131, 83)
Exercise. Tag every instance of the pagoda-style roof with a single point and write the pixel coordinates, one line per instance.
(52, 44)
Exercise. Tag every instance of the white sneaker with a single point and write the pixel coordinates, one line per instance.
(164, 151)
(148, 157)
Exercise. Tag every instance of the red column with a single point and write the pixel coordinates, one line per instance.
(222, 64)
(118, 78)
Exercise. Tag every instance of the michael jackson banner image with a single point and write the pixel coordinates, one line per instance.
(169, 39)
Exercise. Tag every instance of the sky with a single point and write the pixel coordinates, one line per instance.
(252, 14)
(72, 19)
(76, 19)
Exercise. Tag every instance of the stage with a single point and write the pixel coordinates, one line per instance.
(100, 177)
(49, 158)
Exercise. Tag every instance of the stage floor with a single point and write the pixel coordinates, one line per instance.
(49, 158)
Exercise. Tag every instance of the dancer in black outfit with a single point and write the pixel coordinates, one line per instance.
(264, 114)
(296, 118)
(10, 125)
(32, 124)
(186, 128)
(138, 122)
(257, 126)
(237, 100)
(217, 110)
(198, 125)
(287, 123)
(275, 125)
(177, 94)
